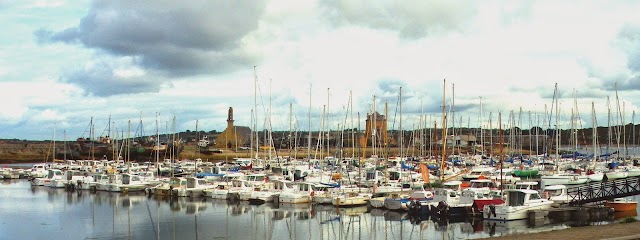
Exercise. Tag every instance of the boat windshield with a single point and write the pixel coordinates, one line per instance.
(553, 193)
(516, 198)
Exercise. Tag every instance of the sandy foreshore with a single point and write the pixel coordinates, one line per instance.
(617, 231)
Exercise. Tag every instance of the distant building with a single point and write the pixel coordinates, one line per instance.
(233, 136)
(376, 131)
(460, 140)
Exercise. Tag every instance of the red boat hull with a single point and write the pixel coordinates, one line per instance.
(480, 203)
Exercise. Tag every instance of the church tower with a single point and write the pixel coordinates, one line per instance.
(230, 118)
(232, 136)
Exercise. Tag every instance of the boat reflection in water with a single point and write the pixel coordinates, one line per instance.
(106, 215)
(503, 228)
(625, 214)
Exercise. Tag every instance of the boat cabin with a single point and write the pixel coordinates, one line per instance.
(526, 185)
(130, 178)
(453, 185)
(449, 196)
(73, 175)
(176, 182)
(374, 176)
(193, 182)
(55, 173)
(482, 183)
(521, 197)
(115, 178)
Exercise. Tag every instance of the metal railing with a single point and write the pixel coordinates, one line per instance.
(603, 190)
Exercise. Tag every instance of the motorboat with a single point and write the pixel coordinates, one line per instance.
(622, 204)
(45, 181)
(517, 204)
(396, 201)
(476, 172)
(351, 199)
(556, 193)
(564, 179)
(301, 193)
(194, 187)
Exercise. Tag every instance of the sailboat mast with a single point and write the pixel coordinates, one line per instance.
(608, 127)
(556, 124)
(290, 126)
(309, 133)
(127, 143)
(619, 120)
(270, 133)
(594, 132)
(385, 140)
(353, 136)
(490, 136)
(91, 138)
(453, 119)
(422, 126)
(501, 147)
(157, 143)
(255, 110)
(633, 133)
(198, 139)
(444, 130)
(400, 127)
(374, 128)
(624, 131)
(481, 129)
(328, 116)
(64, 140)
(54, 142)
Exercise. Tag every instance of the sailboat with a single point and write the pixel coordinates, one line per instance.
(592, 173)
(560, 177)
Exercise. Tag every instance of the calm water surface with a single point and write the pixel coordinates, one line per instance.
(43, 213)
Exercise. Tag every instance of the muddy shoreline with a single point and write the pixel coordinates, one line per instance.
(608, 231)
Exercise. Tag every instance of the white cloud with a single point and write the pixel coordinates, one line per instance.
(201, 62)
(48, 3)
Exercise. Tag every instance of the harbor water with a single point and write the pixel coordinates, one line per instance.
(48, 213)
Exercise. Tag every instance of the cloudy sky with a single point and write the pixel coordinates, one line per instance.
(65, 64)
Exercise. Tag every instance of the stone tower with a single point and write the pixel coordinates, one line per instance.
(375, 130)
(230, 118)
(229, 137)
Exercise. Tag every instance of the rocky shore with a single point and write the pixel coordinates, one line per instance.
(23, 151)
